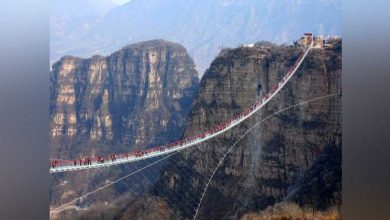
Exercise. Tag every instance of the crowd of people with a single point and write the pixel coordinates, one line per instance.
(85, 161)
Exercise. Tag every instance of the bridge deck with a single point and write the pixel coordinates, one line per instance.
(66, 166)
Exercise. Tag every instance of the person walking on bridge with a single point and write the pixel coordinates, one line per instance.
(113, 157)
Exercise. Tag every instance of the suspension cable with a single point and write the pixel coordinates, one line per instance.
(248, 131)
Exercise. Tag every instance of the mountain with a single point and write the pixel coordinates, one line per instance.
(79, 8)
(136, 97)
(70, 21)
(201, 26)
(294, 156)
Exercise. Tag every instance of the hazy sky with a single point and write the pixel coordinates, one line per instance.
(120, 1)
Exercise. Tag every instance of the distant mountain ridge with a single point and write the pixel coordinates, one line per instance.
(200, 26)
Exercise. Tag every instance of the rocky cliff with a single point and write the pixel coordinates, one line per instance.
(279, 157)
(136, 97)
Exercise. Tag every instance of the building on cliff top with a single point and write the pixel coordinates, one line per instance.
(248, 45)
(305, 40)
(319, 41)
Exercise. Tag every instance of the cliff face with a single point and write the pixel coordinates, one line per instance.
(271, 161)
(136, 97)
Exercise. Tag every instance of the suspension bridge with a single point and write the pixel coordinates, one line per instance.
(57, 166)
